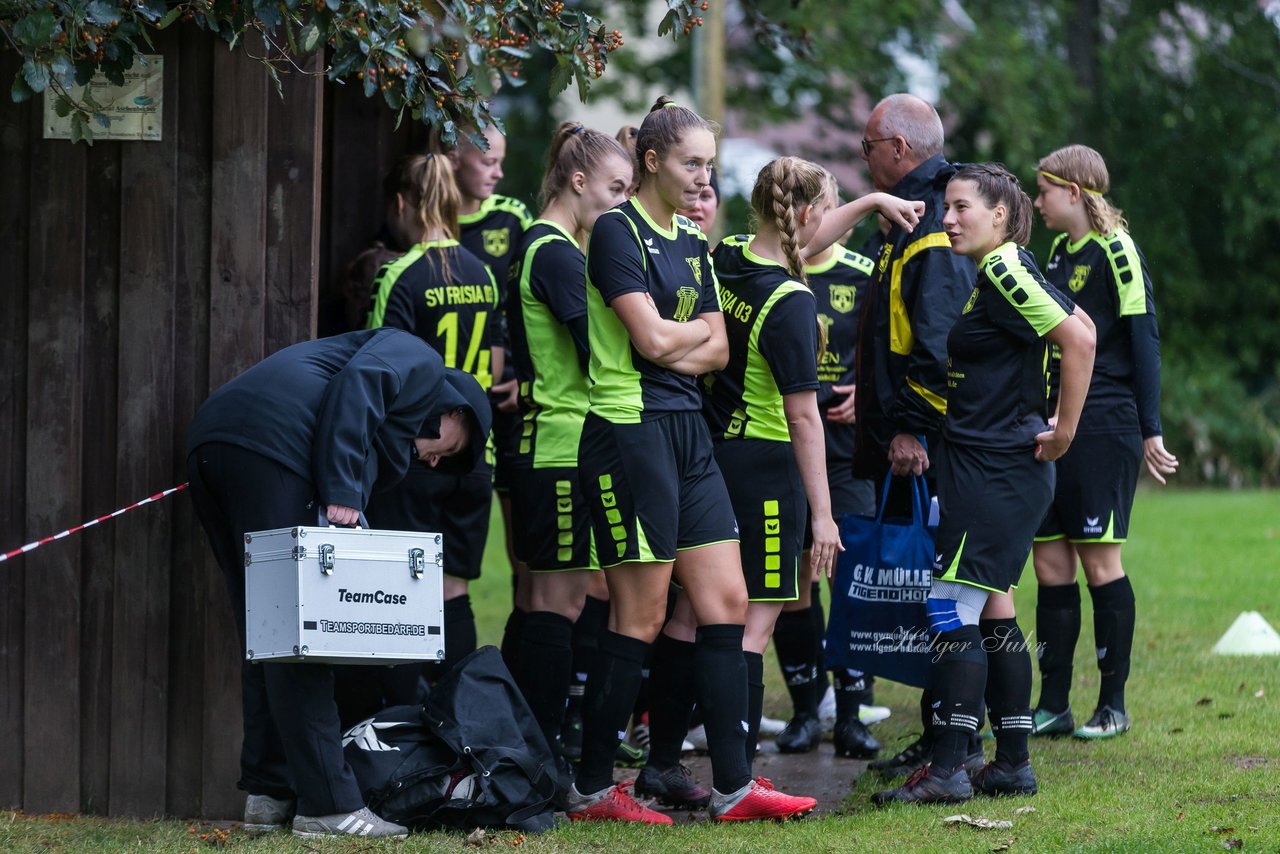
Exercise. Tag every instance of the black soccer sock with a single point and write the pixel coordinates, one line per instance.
(459, 630)
(611, 691)
(511, 634)
(926, 710)
(1008, 688)
(793, 639)
(1113, 617)
(722, 686)
(672, 691)
(593, 620)
(958, 679)
(1057, 630)
(543, 669)
(819, 648)
(755, 701)
(851, 687)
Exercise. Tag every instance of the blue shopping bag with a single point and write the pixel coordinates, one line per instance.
(878, 622)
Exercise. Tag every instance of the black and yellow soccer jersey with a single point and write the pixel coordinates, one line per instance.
(772, 325)
(997, 356)
(456, 315)
(838, 285)
(630, 253)
(492, 233)
(548, 293)
(1107, 277)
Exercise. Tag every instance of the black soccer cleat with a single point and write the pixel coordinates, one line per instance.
(998, 779)
(853, 740)
(802, 735)
(673, 787)
(929, 785)
(909, 760)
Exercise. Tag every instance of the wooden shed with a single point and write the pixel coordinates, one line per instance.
(137, 277)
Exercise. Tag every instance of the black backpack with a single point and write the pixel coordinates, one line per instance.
(471, 756)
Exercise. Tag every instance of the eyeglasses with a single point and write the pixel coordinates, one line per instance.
(866, 143)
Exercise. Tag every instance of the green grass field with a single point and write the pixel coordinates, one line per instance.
(1200, 769)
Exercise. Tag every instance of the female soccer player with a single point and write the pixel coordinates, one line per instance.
(645, 463)
(587, 173)
(763, 406)
(1097, 263)
(994, 484)
(838, 278)
(443, 294)
(490, 226)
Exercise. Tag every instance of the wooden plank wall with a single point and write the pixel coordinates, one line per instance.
(139, 277)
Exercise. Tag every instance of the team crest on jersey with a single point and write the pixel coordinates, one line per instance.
(968, 306)
(686, 302)
(1078, 277)
(497, 241)
(695, 264)
(842, 297)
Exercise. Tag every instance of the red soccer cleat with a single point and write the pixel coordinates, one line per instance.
(616, 805)
(761, 802)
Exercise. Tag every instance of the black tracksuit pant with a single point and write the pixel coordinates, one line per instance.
(292, 735)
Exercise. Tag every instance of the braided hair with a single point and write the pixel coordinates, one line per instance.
(782, 186)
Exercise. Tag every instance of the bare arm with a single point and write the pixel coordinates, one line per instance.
(1077, 338)
(711, 355)
(659, 340)
(900, 211)
(809, 446)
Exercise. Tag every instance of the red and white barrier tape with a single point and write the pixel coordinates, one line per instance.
(38, 543)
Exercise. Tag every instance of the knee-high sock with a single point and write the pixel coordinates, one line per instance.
(1008, 687)
(511, 635)
(672, 692)
(958, 680)
(611, 692)
(722, 684)
(1113, 617)
(819, 632)
(755, 700)
(793, 638)
(1057, 630)
(459, 630)
(543, 668)
(851, 692)
(593, 620)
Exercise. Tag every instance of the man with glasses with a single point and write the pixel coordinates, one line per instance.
(916, 294)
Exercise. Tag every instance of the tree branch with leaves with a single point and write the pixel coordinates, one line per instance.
(439, 61)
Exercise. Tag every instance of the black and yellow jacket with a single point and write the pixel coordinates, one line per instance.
(916, 294)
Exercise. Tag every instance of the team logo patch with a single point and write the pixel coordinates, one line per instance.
(973, 298)
(497, 241)
(842, 297)
(1078, 277)
(686, 302)
(695, 264)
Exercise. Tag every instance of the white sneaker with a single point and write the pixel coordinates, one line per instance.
(697, 738)
(771, 727)
(362, 822)
(827, 709)
(686, 746)
(873, 714)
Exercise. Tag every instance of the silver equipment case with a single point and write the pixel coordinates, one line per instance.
(343, 596)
